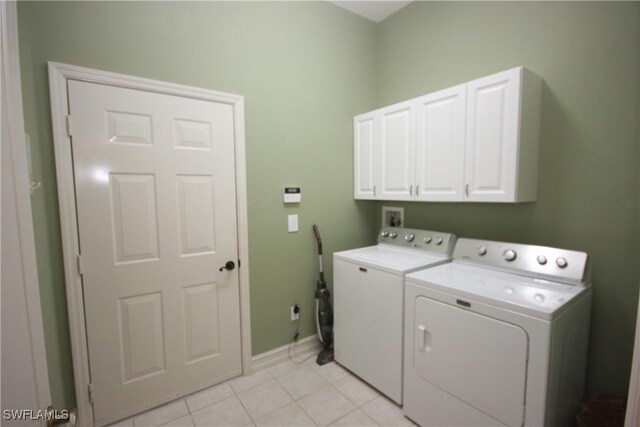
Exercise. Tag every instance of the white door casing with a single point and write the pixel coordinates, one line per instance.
(632, 415)
(25, 377)
(152, 162)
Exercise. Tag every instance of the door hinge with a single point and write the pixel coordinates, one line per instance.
(80, 265)
(90, 390)
(69, 126)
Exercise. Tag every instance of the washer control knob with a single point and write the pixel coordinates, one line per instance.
(384, 234)
(542, 260)
(393, 234)
(439, 241)
(562, 263)
(409, 237)
(510, 255)
(482, 250)
(427, 240)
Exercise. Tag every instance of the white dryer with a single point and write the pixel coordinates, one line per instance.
(368, 299)
(498, 337)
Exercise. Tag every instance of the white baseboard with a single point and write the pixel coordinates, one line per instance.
(304, 347)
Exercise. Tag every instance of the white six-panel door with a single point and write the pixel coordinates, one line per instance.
(155, 194)
(440, 145)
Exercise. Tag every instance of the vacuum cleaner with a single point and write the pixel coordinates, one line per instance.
(324, 312)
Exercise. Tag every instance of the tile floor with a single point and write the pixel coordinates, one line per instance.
(287, 394)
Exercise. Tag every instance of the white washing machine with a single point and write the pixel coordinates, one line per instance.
(498, 337)
(368, 296)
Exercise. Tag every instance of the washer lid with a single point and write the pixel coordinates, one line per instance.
(393, 259)
(536, 297)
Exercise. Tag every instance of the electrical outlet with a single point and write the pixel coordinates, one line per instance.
(295, 312)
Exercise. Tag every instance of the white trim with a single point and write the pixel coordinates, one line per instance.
(58, 76)
(12, 92)
(299, 352)
(632, 417)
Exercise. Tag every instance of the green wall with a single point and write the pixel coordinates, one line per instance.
(304, 69)
(589, 57)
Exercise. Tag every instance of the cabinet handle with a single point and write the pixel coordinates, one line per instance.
(374, 191)
(417, 190)
(466, 189)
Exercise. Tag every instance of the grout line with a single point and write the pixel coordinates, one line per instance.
(306, 413)
(235, 394)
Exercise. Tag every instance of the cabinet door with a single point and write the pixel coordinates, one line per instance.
(440, 145)
(493, 113)
(365, 128)
(397, 160)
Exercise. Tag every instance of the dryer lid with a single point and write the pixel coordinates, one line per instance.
(391, 258)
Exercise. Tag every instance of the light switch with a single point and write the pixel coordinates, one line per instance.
(292, 223)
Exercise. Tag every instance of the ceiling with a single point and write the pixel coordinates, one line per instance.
(375, 11)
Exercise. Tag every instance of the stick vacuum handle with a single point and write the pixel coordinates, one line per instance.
(316, 231)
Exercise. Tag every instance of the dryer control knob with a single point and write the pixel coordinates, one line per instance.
(409, 237)
(562, 263)
(427, 240)
(510, 255)
(482, 250)
(385, 234)
(542, 260)
(393, 235)
(439, 241)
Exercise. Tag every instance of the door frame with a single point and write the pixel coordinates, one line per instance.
(12, 92)
(59, 74)
(632, 416)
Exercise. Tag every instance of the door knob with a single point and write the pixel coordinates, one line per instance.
(230, 265)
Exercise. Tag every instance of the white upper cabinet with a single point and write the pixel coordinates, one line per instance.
(440, 120)
(397, 159)
(503, 117)
(476, 142)
(364, 152)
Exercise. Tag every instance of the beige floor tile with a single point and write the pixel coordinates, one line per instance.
(208, 396)
(161, 414)
(282, 369)
(264, 399)
(185, 421)
(355, 418)
(291, 415)
(326, 405)
(302, 382)
(385, 412)
(241, 384)
(332, 372)
(228, 412)
(356, 390)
